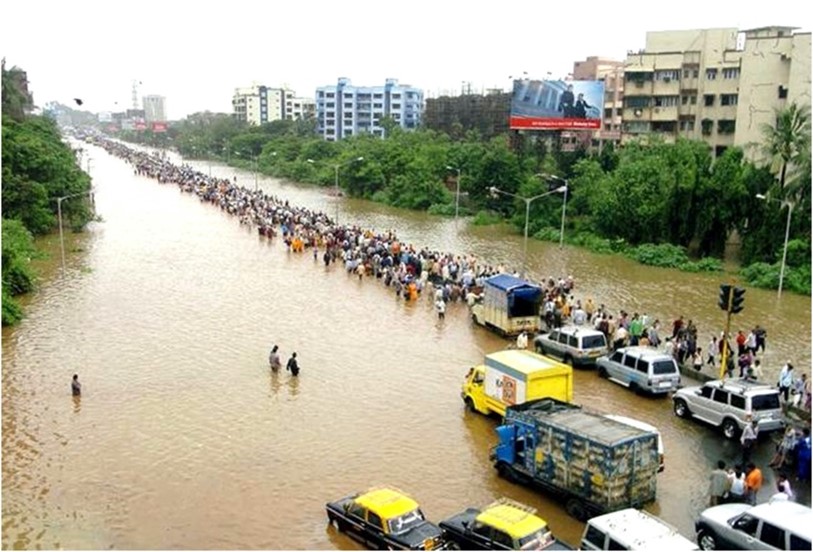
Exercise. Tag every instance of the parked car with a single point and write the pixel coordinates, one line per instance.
(728, 404)
(502, 525)
(385, 518)
(770, 526)
(575, 345)
(642, 369)
(632, 529)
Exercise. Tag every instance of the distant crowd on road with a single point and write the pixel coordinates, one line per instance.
(409, 271)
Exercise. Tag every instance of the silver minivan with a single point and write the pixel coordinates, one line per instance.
(642, 369)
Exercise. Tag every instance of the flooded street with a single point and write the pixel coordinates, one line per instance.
(183, 438)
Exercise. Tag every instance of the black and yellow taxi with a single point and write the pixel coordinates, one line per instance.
(502, 525)
(385, 518)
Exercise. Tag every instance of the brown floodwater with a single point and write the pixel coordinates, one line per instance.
(184, 439)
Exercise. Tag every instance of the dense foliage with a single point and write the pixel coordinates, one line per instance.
(38, 168)
(661, 203)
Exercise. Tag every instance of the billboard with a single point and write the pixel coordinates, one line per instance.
(557, 105)
(159, 127)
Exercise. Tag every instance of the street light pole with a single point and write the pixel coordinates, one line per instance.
(566, 184)
(457, 191)
(528, 200)
(336, 189)
(789, 204)
(59, 201)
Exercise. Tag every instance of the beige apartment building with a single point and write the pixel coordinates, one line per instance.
(715, 85)
(258, 104)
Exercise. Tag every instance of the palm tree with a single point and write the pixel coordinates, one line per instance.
(787, 145)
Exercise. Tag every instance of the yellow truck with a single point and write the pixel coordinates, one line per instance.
(515, 376)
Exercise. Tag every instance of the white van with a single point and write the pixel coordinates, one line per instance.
(646, 427)
(632, 529)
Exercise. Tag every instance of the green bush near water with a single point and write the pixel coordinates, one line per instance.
(766, 276)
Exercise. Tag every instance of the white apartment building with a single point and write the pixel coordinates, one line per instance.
(344, 110)
(258, 104)
(154, 108)
(715, 85)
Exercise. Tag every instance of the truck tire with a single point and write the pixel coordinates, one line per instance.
(706, 541)
(470, 404)
(681, 409)
(506, 472)
(730, 429)
(575, 508)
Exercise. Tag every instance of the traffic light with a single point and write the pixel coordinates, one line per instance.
(725, 294)
(737, 300)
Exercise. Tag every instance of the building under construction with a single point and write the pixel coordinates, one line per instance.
(486, 113)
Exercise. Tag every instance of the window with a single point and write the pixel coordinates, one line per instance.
(481, 529)
(643, 366)
(728, 99)
(708, 100)
(396, 106)
(695, 73)
(686, 73)
(594, 537)
(617, 356)
(667, 75)
(356, 510)
(747, 524)
(721, 396)
(731, 73)
(706, 392)
(772, 535)
(573, 341)
(330, 95)
(711, 74)
(374, 519)
(629, 361)
(348, 105)
(687, 125)
(503, 539)
(726, 127)
(798, 543)
(553, 336)
(693, 100)
(783, 92)
(765, 402)
(665, 101)
(563, 339)
(684, 100)
(738, 401)
(396, 96)
(636, 101)
(615, 545)
(662, 367)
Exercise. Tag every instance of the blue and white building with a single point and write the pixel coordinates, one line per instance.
(345, 110)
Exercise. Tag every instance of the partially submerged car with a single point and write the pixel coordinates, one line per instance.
(385, 518)
(502, 525)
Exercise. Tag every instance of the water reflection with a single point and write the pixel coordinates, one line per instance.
(77, 403)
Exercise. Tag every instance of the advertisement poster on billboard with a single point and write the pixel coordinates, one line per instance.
(556, 105)
(158, 126)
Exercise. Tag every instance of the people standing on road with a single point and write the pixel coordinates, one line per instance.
(719, 484)
(803, 457)
(785, 380)
(293, 365)
(755, 371)
(76, 387)
(677, 325)
(753, 483)
(761, 335)
(712, 349)
(786, 445)
(522, 340)
(273, 358)
(748, 438)
(797, 390)
(783, 485)
(697, 359)
(440, 306)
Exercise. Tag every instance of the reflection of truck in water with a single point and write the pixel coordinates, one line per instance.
(593, 463)
(508, 305)
(513, 377)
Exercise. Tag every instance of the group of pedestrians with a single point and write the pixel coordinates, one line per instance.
(738, 483)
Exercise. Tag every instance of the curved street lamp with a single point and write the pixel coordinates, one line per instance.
(336, 167)
(59, 201)
(528, 200)
(790, 205)
(566, 184)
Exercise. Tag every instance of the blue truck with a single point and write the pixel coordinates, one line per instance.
(508, 305)
(592, 463)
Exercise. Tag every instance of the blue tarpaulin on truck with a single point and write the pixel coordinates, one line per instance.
(516, 288)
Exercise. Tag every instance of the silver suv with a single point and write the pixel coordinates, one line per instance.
(575, 345)
(642, 369)
(771, 526)
(727, 404)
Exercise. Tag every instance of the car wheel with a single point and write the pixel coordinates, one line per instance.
(706, 541)
(575, 509)
(568, 360)
(602, 372)
(540, 349)
(634, 387)
(730, 428)
(470, 404)
(681, 408)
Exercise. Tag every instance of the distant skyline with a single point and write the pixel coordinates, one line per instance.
(196, 54)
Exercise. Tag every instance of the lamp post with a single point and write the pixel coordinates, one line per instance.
(566, 185)
(790, 205)
(457, 191)
(336, 191)
(59, 201)
(528, 200)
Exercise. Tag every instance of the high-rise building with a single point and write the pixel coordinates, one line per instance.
(715, 85)
(486, 113)
(258, 104)
(154, 108)
(344, 110)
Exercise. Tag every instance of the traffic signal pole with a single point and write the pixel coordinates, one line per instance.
(724, 356)
(731, 301)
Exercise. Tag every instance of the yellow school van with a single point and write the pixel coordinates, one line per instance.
(515, 376)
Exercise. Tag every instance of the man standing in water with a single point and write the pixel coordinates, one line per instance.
(292, 365)
(273, 359)
(76, 387)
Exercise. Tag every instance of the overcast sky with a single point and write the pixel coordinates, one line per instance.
(196, 53)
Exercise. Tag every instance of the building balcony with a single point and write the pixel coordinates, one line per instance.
(667, 113)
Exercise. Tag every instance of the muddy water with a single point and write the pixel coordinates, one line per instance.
(183, 439)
